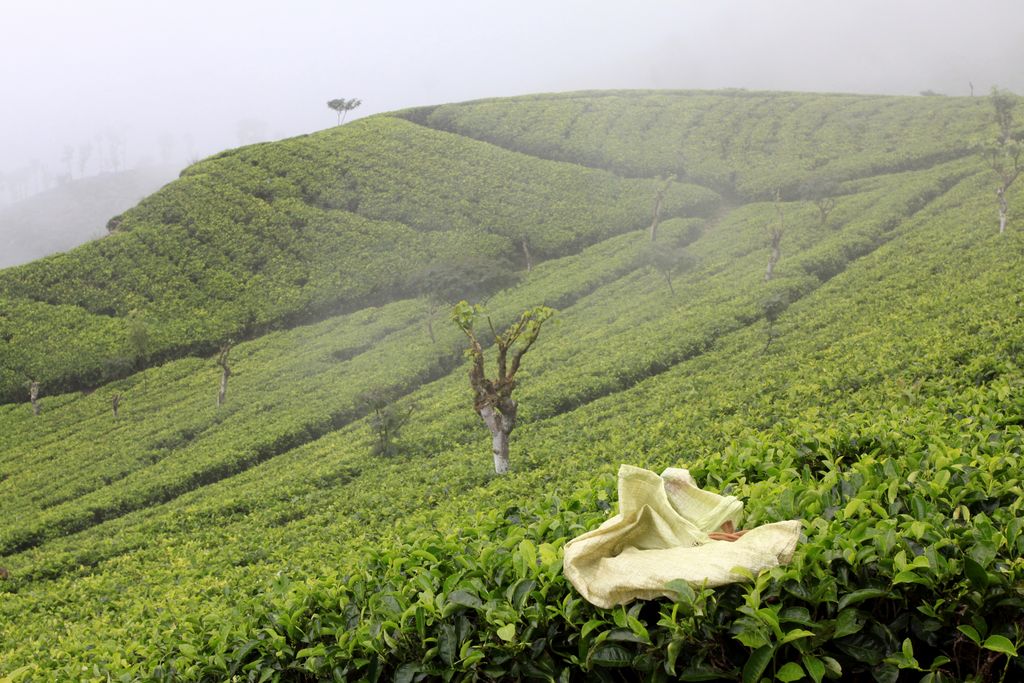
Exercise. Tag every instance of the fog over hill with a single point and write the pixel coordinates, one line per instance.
(179, 81)
(73, 213)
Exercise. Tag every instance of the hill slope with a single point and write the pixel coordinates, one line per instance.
(262, 538)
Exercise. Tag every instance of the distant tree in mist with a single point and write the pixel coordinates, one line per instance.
(167, 145)
(84, 152)
(668, 259)
(772, 309)
(775, 233)
(822, 193)
(1004, 154)
(68, 157)
(112, 147)
(659, 199)
(343, 107)
(251, 131)
(386, 419)
(443, 283)
(225, 372)
(492, 398)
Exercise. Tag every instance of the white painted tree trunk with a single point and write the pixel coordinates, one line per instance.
(773, 258)
(529, 259)
(222, 396)
(499, 447)
(33, 395)
(499, 438)
(1002, 210)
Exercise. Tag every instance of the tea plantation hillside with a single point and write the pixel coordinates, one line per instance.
(872, 387)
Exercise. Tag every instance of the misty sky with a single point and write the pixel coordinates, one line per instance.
(181, 79)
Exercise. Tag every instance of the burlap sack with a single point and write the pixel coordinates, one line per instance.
(661, 534)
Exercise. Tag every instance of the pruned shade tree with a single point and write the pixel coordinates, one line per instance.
(492, 398)
(1004, 155)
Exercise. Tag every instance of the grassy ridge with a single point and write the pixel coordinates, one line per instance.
(885, 412)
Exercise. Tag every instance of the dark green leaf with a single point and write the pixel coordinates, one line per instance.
(464, 598)
(861, 595)
(611, 655)
(848, 622)
(976, 574)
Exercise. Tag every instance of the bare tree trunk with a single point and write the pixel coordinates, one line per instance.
(33, 396)
(668, 279)
(773, 258)
(825, 207)
(775, 235)
(430, 327)
(222, 395)
(526, 253)
(224, 374)
(659, 198)
(115, 403)
(657, 218)
(1001, 193)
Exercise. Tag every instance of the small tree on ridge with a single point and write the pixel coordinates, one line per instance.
(775, 234)
(343, 107)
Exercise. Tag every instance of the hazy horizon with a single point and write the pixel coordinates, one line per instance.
(115, 84)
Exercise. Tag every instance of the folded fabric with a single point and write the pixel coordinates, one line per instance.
(661, 534)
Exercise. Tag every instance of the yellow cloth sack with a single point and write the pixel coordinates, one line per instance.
(661, 534)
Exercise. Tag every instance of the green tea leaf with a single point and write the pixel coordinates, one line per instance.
(970, 632)
(757, 663)
(815, 667)
(790, 671)
(465, 599)
(998, 643)
(861, 595)
(611, 655)
(795, 634)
